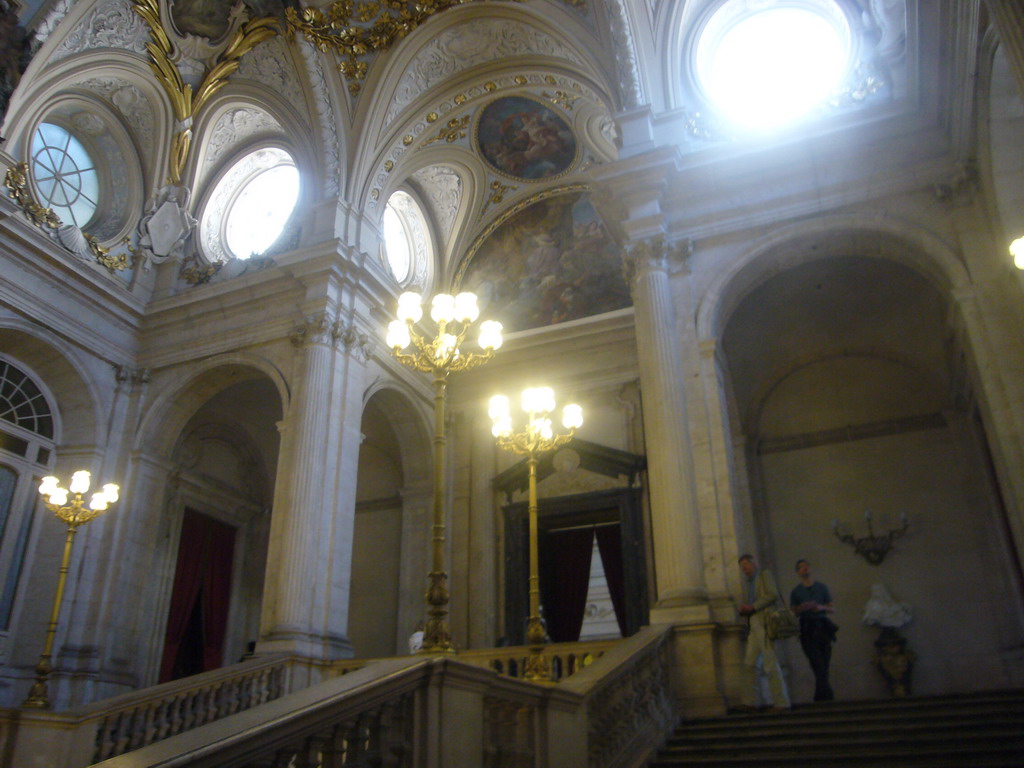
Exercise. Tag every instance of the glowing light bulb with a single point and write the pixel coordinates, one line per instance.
(80, 481)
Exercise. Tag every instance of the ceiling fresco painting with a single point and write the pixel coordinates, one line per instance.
(551, 262)
(524, 139)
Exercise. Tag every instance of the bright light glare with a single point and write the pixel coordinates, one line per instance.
(1017, 251)
(396, 244)
(262, 209)
(773, 67)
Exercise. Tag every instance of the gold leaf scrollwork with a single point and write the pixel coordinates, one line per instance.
(185, 106)
(498, 191)
(194, 274)
(454, 130)
(16, 181)
(356, 30)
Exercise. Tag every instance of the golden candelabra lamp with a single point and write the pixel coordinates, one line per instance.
(440, 355)
(537, 438)
(75, 513)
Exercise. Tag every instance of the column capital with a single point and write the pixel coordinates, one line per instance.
(319, 328)
(653, 254)
(324, 330)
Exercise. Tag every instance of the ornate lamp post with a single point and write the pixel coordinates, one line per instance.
(75, 514)
(440, 356)
(537, 438)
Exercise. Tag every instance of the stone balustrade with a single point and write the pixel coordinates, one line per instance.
(611, 707)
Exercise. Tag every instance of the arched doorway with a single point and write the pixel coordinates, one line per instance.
(851, 387)
(217, 523)
(389, 557)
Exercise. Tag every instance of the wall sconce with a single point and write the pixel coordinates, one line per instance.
(871, 547)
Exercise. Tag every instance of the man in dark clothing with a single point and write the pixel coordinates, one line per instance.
(812, 602)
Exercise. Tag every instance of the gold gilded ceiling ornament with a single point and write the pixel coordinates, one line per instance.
(454, 130)
(18, 188)
(356, 30)
(497, 195)
(186, 105)
(562, 99)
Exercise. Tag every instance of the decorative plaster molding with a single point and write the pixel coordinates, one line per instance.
(321, 329)
(130, 101)
(70, 237)
(134, 377)
(441, 188)
(271, 64)
(325, 114)
(236, 126)
(164, 231)
(52, 20)
(468, 45)
(630, 88)
(111, 25)
(654, 254)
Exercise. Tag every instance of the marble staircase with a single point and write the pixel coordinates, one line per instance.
(975, 730)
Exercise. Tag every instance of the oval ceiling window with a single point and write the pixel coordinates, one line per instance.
(765, 64)
(406, 235)
(251, 205)
(64, 174)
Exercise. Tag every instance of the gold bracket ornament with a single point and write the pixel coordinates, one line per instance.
(357, 30)
(186, 105)
(16, 182)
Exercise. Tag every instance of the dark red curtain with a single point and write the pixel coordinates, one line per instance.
(609, 545)
(202, 575)
(564, 578)
(217, 592)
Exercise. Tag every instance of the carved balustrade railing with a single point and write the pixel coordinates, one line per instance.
(138, 719)
(396, 713)
(79, 737)
(629, 700)
(566, 659)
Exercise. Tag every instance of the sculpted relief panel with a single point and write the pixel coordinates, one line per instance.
(111, 25)
(468, 45)
(441, 188)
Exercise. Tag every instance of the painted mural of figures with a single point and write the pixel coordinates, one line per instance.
(523, 138)
(212, 18)
(551, 263)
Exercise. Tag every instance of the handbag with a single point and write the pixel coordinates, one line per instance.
(781, 622)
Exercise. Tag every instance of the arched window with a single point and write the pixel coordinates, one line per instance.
(27, 432)
(250, 206)
(65, 175)
(763, 65)
(408, 245)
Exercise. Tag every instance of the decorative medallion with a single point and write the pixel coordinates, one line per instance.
(524, 139)
(550, 262)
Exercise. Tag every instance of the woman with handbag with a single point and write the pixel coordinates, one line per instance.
(761, 599)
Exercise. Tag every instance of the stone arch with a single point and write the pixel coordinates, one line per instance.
(819, 238)
(185, 391)
(392, 522)
(66, 378)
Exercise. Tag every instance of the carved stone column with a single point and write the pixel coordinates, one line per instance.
(1008, 16)
(307, 549)
(679, 564)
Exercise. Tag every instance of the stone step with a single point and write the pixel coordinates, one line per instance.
(788, 721)
(976, 731)
(917, 728)
(894, 741)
